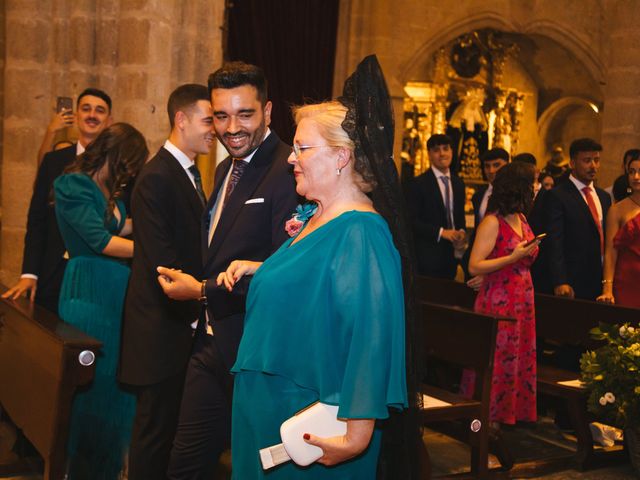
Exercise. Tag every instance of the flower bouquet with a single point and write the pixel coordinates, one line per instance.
(611, 374)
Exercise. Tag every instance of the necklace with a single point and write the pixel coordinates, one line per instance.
(634, 200)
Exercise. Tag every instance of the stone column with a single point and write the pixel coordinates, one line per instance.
(138, 51)
(621, 113)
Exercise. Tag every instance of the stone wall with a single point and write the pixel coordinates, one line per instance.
(136, 50)
(594, 44)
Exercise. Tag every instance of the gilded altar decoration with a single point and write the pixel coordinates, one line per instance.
(468, 99)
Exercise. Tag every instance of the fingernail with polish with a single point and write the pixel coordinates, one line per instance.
(306, 436)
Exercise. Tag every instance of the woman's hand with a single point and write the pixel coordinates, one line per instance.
(522, 250)
(606, 298)
(342, 448)
(235, 271)
(475, 282)
(178, 285)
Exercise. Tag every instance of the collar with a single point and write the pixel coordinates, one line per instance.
(179, 155)
(79, 149)
(248, 158)
(439, 174)
(579, 185)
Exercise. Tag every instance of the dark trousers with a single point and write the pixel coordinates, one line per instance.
(154, 428)
(204, 427)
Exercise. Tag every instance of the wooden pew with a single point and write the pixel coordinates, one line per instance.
(565, 321)
(444, 292)
(467, 339)
(40, 370)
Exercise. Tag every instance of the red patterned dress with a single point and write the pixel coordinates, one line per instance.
(509, 292)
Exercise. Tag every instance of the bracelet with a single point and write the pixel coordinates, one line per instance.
(203, 292)
(607, 281)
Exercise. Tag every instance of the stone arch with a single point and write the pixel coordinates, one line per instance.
(558, 110)
(545, 28)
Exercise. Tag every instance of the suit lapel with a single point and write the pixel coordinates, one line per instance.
(435, 188)
(250, 180)
(582, 205)
(183, 181)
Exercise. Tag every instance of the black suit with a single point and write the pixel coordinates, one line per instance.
(573, 242)
(428, 215)
(245, 231)
(43, 246)
(157, 336)
(476, 201)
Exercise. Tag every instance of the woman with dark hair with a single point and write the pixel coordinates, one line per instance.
(622, 246)
(503, 252)
(92, 221)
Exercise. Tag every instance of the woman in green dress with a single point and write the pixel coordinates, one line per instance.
(92, 221)
(326, 312)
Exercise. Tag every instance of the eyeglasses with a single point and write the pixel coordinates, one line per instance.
(298, 149)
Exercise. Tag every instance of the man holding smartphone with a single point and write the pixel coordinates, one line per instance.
(63, 118)
(44, 259)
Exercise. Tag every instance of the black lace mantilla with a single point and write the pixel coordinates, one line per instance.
(369, 122)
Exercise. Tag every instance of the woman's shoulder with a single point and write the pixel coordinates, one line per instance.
(75, 180)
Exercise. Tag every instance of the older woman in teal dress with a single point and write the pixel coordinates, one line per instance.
(92, 221)
(325, 315)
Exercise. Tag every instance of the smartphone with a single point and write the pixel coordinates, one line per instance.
(536, 238)
(64, 103)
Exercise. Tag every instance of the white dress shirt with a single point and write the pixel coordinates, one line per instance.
(579, 185)
(443, 194)
(485, 202)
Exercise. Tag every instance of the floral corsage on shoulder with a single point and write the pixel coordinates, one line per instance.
(302, 214)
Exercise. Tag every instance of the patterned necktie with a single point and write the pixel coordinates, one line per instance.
(447, 200)
(236, 172)
(594, 214)
(197, 179)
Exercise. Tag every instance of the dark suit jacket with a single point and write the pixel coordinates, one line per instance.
(428, 215)
(43, 245)
(246, 231)
(573, 242)
(166, 213)
(476, 200)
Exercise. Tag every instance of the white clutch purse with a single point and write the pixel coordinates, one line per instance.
(318, 419)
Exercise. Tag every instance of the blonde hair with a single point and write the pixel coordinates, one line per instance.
(328, 116)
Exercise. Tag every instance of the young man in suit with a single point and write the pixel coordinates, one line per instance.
(492, 160)
(575, 221)
(43, 261)
(436, 208)
(253, 196)
(166, 208)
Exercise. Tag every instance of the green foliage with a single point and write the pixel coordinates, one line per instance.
(610, 374)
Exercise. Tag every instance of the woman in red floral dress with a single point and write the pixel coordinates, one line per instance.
(503, 255)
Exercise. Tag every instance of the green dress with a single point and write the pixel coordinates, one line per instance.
(325, 321)
(91, 299)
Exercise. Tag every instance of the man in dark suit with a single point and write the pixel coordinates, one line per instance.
(436, 208)
(492, 160)
(253, 196)
(43, 260)
(166, 208)
(575, 214)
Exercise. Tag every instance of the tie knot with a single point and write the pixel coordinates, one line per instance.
(194, 171)
(586, 190)
(444, 178)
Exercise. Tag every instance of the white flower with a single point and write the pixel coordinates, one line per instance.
(624, 331)
(609, 397)
(603, 401)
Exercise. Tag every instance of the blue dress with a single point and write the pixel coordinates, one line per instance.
(325, 321)
(91, 299)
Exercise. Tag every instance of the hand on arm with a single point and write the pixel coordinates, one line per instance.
(24, 285)
(235, 271)
(485, 241)
(342, 448)
(177, 285)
